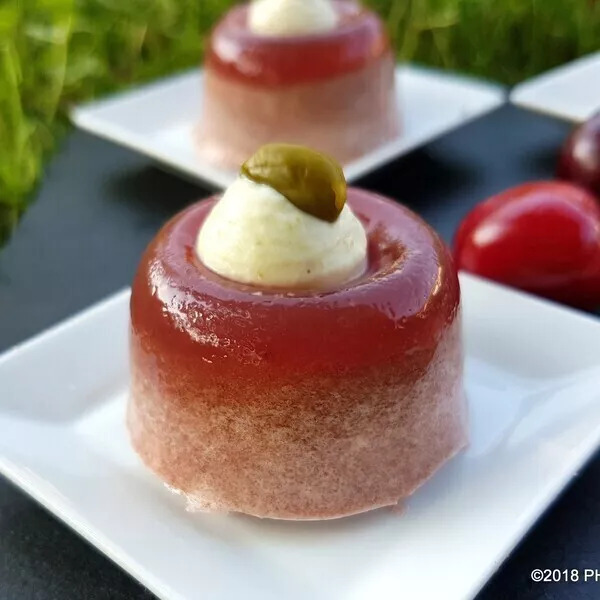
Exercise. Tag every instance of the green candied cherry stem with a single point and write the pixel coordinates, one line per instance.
(311, 181)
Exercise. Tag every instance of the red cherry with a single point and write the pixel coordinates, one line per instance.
(542, 237)
(580, 155)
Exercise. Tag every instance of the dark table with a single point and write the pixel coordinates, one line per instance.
(98, 207)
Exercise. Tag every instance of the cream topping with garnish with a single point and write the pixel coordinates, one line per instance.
(255, 235)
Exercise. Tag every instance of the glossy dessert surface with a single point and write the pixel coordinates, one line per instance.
(334, 91)
(396, 304)
(236, 52)
(298, 404)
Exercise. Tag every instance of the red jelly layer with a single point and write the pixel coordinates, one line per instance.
(190, 315)
(234, 51)
(298, 405)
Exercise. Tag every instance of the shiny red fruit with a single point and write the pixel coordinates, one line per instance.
(542, 237)
(580, 155)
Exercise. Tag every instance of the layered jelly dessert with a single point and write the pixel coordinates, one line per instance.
(296, 346)
(314, 72)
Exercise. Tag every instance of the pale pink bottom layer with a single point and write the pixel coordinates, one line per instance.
(321, 448)
(346, 116)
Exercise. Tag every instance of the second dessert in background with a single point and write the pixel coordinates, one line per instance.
(312, 72)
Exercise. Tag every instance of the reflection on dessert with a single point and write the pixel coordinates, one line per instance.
(298, 400)
(318, 72)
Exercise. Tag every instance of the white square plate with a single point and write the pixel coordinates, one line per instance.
(570, 92)
(533, 381)
(159, 119)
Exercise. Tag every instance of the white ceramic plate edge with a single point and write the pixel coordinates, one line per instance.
(86, 117)
(546, 496)
(388, 152)
(525, 94)
(43, 492)
(45, 496)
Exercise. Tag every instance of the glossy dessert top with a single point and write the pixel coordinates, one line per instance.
(394, 311)
(235, 51)
(372, 283)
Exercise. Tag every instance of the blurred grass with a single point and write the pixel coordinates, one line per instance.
(54, 53)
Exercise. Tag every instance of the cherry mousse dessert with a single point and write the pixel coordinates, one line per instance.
(313, 72)
(296, 347)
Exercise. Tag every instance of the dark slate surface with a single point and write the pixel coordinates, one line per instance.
(98, 207)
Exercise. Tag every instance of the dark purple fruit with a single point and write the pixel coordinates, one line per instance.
(580, 155)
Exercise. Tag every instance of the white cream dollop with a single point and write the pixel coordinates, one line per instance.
(255, 235)
(291, 17)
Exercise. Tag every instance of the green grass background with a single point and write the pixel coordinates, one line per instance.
(54, 53)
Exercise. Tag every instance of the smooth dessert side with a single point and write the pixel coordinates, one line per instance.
(314, 72)
(296, 346)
